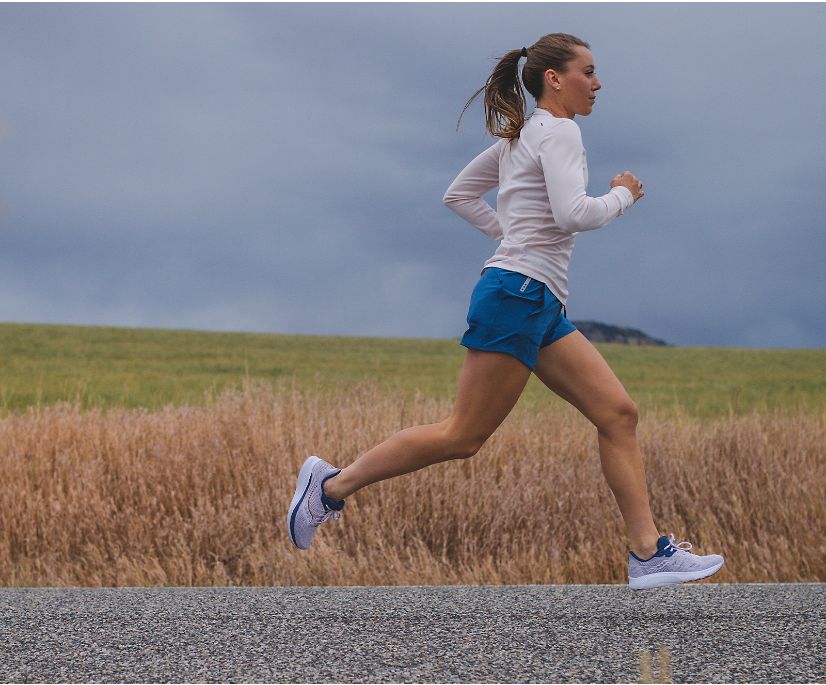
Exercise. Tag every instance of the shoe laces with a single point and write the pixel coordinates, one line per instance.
(679, 545)
(330, 513)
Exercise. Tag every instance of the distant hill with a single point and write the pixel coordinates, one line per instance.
(602, 332)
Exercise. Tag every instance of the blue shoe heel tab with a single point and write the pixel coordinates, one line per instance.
(663, 550)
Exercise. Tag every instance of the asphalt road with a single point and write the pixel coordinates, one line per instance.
(518, 633)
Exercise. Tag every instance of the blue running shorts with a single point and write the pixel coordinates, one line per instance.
(513, 313)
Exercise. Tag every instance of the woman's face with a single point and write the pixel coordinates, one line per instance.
(575, 90)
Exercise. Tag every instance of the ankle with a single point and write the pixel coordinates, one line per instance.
(330, 487)
(644, 548)
(644, 553)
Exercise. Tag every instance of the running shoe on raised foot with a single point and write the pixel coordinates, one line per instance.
(672, 564)
(310, 506)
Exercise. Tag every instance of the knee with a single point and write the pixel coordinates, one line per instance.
(623, 418)
(467, 449)
(463, 445)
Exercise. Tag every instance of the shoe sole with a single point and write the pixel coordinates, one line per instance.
(653, 580)
(304, 477)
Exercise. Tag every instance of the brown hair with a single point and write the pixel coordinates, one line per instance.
(504, 99)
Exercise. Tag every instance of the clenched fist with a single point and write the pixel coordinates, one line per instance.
(627, 179)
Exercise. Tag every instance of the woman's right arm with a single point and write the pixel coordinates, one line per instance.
(562, 157)
(464, 196)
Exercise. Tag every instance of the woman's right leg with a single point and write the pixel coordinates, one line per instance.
(489, 386)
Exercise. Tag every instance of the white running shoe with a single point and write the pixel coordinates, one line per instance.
(310, 506)
(672, 564)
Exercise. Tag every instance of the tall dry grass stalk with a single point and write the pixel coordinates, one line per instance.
(198, 496)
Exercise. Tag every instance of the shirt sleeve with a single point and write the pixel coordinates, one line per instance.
(561, 155)
(464, 196)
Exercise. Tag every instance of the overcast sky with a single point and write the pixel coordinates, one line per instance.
(281, 167)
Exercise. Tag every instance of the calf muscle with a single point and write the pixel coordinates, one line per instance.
(490, 384)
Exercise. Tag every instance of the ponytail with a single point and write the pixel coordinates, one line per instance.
(504, 97)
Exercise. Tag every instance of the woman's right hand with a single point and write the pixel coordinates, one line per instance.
(627, 179)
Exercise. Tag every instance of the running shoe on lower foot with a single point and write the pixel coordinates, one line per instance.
(310, 506)
(672, 564)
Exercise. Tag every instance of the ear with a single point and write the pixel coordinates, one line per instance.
(551, 79)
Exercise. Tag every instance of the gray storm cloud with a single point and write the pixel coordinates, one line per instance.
(280, 167)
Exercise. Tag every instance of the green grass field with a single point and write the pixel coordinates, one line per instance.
(131, 367)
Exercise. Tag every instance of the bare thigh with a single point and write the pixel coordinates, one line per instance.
(490, 383)
(575, 370)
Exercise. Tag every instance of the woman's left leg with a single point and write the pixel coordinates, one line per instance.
(575, 370)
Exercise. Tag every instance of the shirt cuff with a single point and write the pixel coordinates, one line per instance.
(626, 198)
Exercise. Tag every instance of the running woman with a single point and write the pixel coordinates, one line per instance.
(517, 320)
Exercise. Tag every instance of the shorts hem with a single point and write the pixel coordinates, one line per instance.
(510, 352)
(556, 339)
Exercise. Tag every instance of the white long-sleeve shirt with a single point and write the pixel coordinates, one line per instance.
(541, 204)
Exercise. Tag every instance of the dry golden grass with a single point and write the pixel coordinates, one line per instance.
(198, 496)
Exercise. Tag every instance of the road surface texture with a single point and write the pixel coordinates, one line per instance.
(516, 633)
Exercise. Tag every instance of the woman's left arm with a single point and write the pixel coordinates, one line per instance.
(562, 158)
(464, 196)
